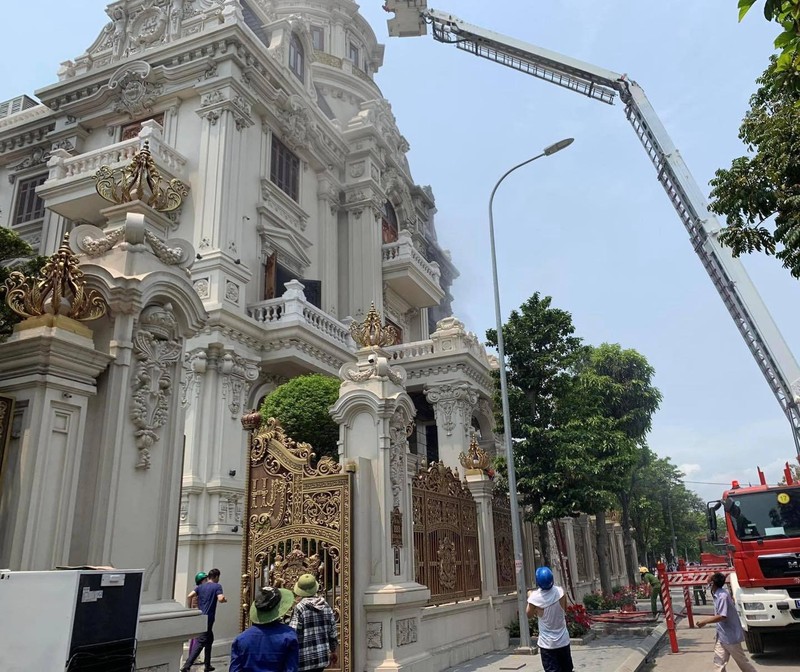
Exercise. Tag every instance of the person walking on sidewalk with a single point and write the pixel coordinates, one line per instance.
(549, 603)
(208, 596)
(315, 624)
(730, 635)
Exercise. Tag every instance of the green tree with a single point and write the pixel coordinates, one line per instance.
(302, 406)
(541, 353)
(15, 255)
(766, 182)
(786, 14)
(617, 403)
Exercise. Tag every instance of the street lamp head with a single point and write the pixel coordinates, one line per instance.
(558, 146)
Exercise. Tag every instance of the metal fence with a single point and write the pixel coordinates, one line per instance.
(446, 553)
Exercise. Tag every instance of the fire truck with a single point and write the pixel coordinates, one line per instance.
(763, 543)
(763, 522)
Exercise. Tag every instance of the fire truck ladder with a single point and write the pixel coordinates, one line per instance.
(738, 293)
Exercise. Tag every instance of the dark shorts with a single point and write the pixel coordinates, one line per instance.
(557, 660)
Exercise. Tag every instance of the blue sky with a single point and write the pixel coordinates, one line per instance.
(589, 226)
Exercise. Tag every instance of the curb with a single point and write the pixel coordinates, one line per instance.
(635, 660)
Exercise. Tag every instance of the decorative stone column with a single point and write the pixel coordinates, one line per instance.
(452, 404)
(131, 470)
(375, 415)
(49, 366)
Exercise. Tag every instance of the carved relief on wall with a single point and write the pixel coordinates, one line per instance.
(406, 631)
(450, 402)
(133, 93)
(157, 353)
(374, 635)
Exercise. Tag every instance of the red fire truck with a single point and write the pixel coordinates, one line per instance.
(763, 544)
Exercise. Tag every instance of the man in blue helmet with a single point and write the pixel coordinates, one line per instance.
(549, 604)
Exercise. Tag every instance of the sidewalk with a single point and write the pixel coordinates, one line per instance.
(613, 653)
(695, 646)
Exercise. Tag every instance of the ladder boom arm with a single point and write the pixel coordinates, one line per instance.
(736, 289)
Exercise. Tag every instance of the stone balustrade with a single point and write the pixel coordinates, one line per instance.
(63, 165)
(403, 250)
(293, 308)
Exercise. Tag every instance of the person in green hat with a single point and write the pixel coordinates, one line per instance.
(267, 645)
(315, 624)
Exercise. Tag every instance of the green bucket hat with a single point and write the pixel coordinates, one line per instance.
(270, 604)
(306, 586)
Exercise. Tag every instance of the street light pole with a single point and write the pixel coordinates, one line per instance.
(516, 532)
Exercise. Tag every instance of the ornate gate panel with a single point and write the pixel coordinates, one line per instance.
(298, 521)
(446, 551)
(503, 543)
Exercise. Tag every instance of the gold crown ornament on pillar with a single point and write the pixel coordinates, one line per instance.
(476, 458)
(60, 289)
(371, 333)
(140, 181)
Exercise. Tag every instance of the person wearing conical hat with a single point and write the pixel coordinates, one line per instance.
(315, 624)
(268, 645)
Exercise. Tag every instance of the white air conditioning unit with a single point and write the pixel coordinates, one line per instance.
(69, 620)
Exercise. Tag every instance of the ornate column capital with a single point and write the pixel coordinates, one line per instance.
(451, 401)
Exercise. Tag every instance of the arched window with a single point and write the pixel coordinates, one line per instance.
(389, 223)
(297, 58)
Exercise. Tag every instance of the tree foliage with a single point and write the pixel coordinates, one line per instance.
(302, 406)
(786, 14)
(766, 182)
(15, 255)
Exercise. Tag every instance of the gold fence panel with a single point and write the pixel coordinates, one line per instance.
(446, 554)
(503, 543)
(298, 518)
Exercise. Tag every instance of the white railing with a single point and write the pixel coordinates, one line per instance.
(292, 308)
(63, 165)
(411, 350)
(403, 250)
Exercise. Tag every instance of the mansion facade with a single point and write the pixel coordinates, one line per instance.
(301, 208)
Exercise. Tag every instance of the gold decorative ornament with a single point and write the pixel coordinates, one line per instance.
(371, 333)
(298, 520)
(140, 181)
(476, 458)
(60, 290)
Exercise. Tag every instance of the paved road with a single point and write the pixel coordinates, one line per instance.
(696, 646)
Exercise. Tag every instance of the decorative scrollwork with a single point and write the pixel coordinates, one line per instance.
(140, 180)
(60, 290)
(447, 564)
(371, 333)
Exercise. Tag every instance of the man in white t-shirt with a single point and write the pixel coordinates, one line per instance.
(549, 604)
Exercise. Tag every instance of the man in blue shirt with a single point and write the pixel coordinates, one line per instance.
(268, 645)
(730, 634)
(209, 594)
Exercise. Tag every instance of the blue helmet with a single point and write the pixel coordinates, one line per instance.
(544, 578)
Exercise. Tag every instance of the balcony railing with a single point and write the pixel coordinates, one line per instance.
(63, 165)
(293, 309)
(403, 250)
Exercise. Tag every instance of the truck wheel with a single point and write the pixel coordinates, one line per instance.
(754, 641)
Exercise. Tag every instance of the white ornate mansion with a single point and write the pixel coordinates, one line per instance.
(301, 212)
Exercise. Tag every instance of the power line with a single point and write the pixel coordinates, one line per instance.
(704, 483)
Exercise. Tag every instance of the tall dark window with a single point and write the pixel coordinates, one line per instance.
(29, 206)
(297, 58)
(355, 55)
(318, 38)
(285, 169)
(389, 228)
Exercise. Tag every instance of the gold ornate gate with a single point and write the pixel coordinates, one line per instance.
(298, 520)
(446, 552)
(503, 543)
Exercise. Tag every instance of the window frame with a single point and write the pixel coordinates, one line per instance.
(132, 130)
(390, 224)
(318, 31)
(354, 48)
(297, 58)
(284, 169)
(34, 209)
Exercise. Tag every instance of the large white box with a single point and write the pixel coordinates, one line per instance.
(69, 620)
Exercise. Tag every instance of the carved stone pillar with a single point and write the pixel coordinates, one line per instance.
(51, 372)
(375, 416)
(453, 404)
